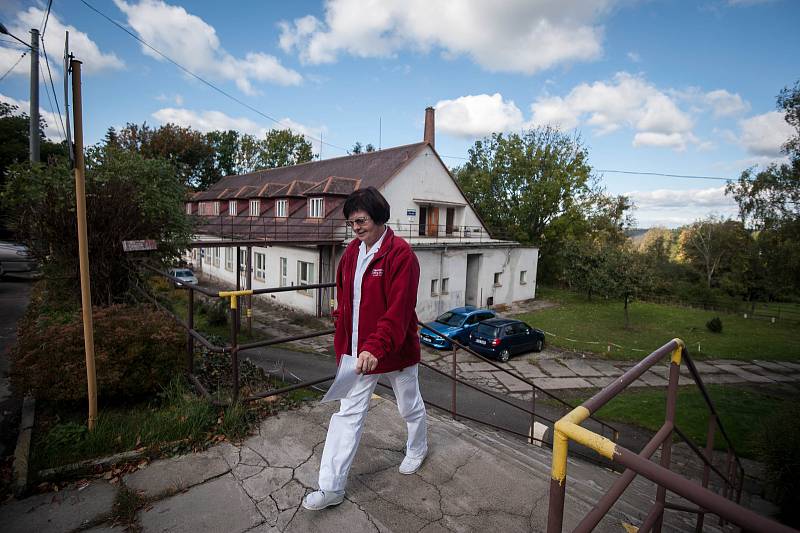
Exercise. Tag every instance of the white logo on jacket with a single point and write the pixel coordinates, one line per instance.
(377, 272)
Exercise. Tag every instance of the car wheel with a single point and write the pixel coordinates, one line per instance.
(539, 345)
(505, 355)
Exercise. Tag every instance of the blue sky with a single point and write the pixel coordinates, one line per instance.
(675, 87)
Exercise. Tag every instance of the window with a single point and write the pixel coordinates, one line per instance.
(280, 208)
(434, 287)
(216, 253)
(261, 266)
(215, 208)
(283, 270)
(242, 260)
(445, 285)
(206, 255)
(188, 208)
(305, 275)
(229, 253)
(255, 208)
(232, 208)
(316, 208)
(523, 277)
(497, 279)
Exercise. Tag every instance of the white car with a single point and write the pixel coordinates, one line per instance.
(16, 258)
(185, 276)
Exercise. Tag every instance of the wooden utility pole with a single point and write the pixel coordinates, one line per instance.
(83, 245)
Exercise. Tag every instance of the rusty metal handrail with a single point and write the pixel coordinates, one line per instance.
(569, 428)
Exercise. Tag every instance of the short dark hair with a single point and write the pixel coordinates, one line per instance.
(369, 200)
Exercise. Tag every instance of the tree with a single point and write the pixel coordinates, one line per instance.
(248, 154)
(522, 184)
(629, 275)
(714, 245)
(225, 146)
(188, 150)
(128, 198)
(358, 148)
(282, 148)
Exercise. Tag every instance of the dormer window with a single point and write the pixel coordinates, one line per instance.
(280, 208)
(232, 208)
(316, 207)
(255, 208)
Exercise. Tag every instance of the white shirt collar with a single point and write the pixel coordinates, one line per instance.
(375, 247)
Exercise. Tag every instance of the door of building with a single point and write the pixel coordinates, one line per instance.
(472, 282)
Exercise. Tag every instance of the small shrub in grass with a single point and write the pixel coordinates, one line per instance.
(714, 325)
(137, 351)
(217, 313)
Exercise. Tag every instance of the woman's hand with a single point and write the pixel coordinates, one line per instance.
(366, 362)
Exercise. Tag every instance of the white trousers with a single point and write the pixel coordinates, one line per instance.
(346, 426)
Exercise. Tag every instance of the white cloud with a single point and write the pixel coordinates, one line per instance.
(477, 115)
(505, 35)
(206, 121)
(765, 134)
(192, 42)
(635, 57)
(675, 207)
(51, 131)
(724, 104)
(84, 49)
(626, 101)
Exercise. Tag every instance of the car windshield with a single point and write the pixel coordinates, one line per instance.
(450, 319)
(486, 330)
(183, 274)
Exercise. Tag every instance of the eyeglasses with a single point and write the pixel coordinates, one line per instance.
(360, 221)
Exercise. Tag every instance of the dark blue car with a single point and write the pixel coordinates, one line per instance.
(500, 338)
(454, 324)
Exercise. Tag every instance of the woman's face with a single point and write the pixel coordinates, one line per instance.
(365, 228)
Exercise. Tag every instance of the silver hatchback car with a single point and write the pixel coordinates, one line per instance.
(16, 258)
(185, 276)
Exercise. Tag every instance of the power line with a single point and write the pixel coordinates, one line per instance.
(684, 176)
(14, 65)
(52, 86)
(203, 80)
(43, 26)
(47, 92)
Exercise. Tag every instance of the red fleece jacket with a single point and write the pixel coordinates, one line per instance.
(387, 321)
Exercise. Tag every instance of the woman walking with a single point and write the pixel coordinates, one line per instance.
(376, 287)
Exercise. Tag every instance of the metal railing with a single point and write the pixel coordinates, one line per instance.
(289, 230)
(725, 506)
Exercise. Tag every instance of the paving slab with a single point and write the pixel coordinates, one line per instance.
(652, 379)
(722, 379)
(604, 367)
(60, 511)
(563, 383)
(748, 376)
(555, 369)
(774, 366)
(511, 383)
(704, 368)
(601, 382)
(219, 505)
(476, 367)
(581, 368)
(286, 441)
(792, 365)
(177, 473)
(527, 369)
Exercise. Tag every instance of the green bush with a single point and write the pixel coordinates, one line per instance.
(138, 349)
(714, 325)
(217, 312)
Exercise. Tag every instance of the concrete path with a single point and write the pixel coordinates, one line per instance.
(471, 481)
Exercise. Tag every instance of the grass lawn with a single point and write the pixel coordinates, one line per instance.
(591, 326)
(743, 411)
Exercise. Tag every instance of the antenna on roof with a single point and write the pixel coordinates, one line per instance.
(380, 131)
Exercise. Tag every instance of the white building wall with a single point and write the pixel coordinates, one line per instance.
(425, 178)
(451, 263)
(305, 301)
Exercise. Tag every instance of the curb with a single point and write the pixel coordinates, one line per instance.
(23, 449)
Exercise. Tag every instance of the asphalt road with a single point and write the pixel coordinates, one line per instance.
(14, 296)
(435, 388)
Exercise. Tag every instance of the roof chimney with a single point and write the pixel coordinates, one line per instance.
(429, 127)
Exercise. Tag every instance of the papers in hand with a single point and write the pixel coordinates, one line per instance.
(346, 377)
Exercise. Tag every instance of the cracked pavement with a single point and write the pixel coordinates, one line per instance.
(471, 481)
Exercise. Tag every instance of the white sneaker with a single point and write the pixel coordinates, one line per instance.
(321, 499)
(411, 465)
